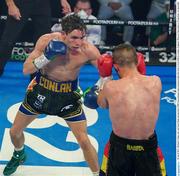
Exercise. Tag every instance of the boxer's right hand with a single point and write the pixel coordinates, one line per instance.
(54, 48)
(90, 97)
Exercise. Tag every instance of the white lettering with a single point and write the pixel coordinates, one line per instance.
(169, 100)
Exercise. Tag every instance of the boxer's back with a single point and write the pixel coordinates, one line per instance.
(134, 105)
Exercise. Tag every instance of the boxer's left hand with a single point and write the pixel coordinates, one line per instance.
(105, 64)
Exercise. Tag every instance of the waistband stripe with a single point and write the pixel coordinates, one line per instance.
(134, 144)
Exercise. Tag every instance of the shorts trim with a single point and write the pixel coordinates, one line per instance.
(134, 144)
(161, 161)
(104, 164)
(76, 118)
(27, 110)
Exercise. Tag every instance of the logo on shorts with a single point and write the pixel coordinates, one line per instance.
(41, 98)
(136, 148)
(66, 107)
(39, 101)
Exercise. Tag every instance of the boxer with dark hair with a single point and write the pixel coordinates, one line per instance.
(105, 64)
(57, 59)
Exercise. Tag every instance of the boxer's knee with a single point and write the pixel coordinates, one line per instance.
(83, 141)
(15, 133)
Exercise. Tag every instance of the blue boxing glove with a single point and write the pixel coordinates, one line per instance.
(90, 97)
(54, 48)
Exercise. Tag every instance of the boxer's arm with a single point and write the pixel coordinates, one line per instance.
(28, 67)
(55, 48)
(103, 62)
(105, 70)
(45, 50)
(102, 100)
(92, 54)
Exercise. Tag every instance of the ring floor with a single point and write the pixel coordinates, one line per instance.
(50, 145)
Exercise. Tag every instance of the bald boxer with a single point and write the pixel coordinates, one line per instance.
(105, 65)
(133, 103)
(141, 67)
(57, 59)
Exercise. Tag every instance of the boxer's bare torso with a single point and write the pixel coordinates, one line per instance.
(134, 105)
(67, 67)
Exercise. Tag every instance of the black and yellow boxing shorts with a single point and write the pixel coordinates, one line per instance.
(129, 157)
(46, 96)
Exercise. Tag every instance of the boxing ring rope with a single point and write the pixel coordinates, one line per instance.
(153, 55)
(108, 22)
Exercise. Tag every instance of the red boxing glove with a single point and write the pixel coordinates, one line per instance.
(105, 64)
(141, 66)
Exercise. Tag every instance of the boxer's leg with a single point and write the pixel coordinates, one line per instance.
(78, 126)
(17, 138)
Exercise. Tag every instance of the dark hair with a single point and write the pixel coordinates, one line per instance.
(124, 55)
(71, 22)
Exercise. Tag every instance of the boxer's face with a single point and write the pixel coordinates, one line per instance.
(75, 39)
